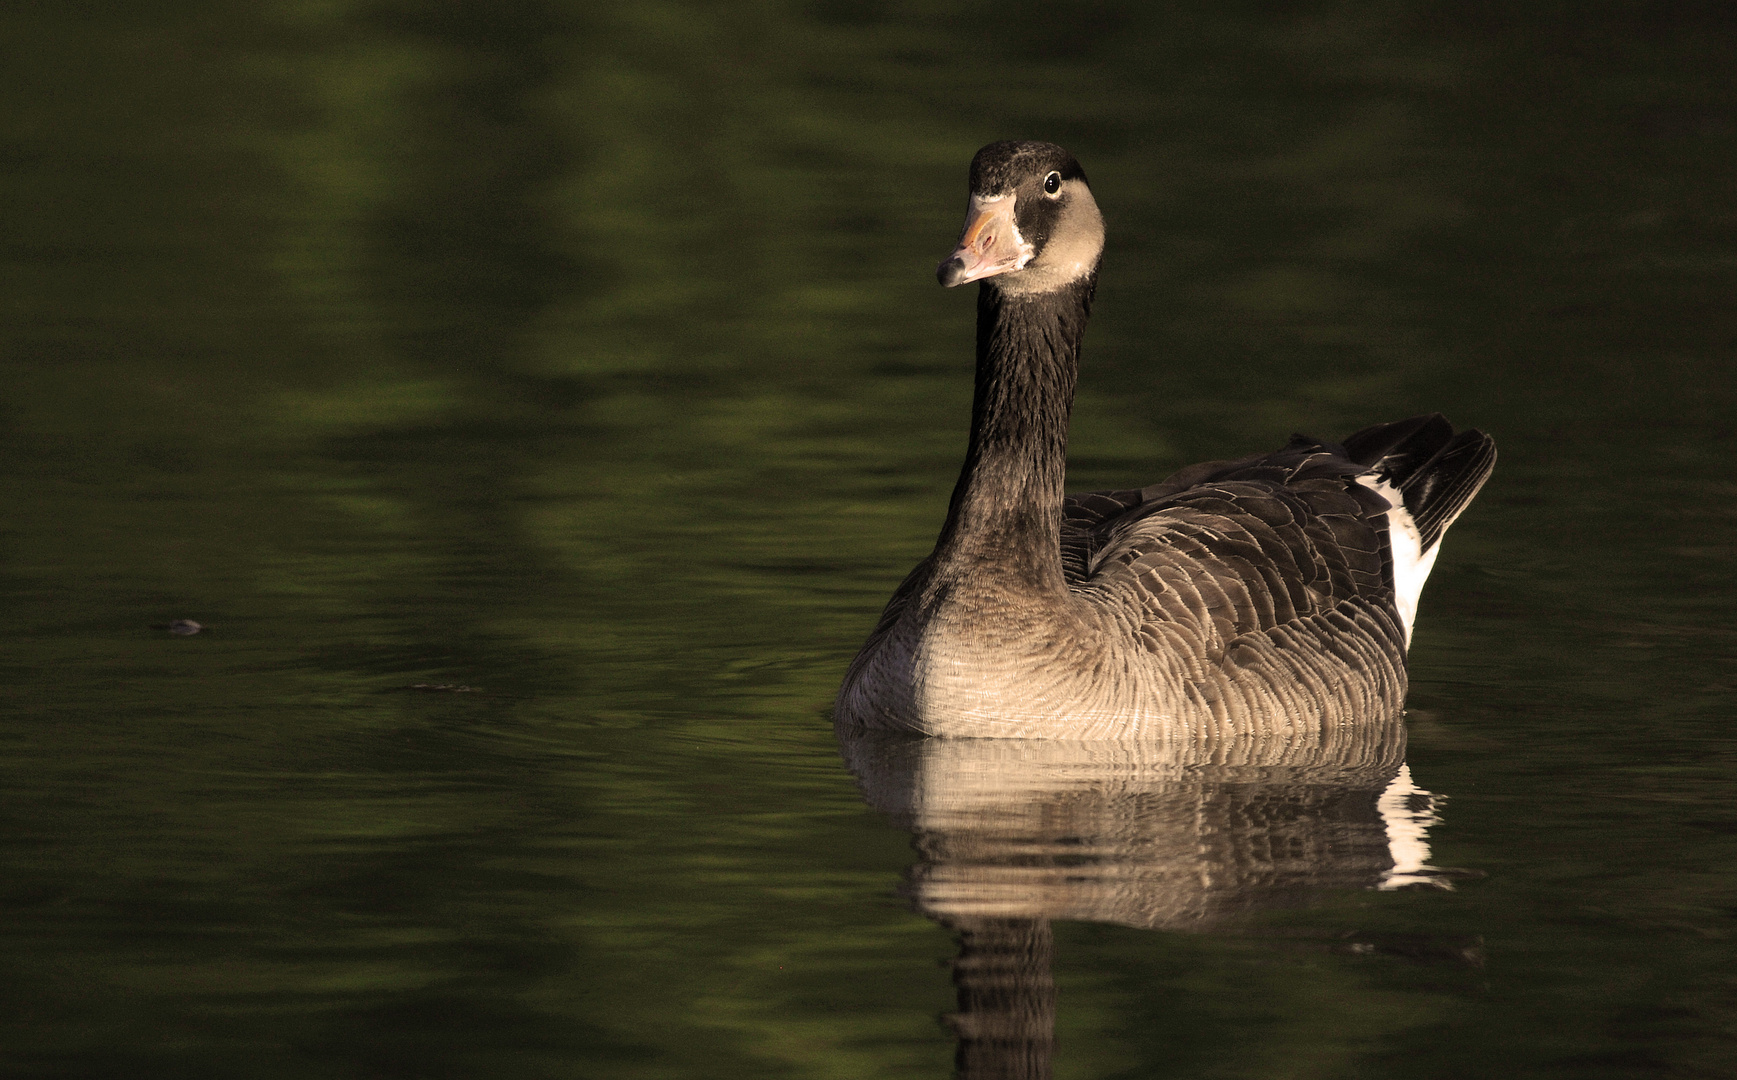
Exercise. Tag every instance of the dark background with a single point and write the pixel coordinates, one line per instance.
(589, 356)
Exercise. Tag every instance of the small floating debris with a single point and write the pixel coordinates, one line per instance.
(180, 627)
(443, 688)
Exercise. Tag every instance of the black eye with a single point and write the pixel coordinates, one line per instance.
(1052, 183)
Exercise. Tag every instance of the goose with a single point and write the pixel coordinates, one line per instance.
(1270, 595)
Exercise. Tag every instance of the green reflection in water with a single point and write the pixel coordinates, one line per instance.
(589, 357)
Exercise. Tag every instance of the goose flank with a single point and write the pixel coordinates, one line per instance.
(1271, 594)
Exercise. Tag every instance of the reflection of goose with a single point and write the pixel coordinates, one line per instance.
(1154, 834)
(1248, 597)
(1183, 835)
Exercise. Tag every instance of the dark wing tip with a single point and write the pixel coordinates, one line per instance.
(1394, 449)
(1437, 471)
(1446, 484)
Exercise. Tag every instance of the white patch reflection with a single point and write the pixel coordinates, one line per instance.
(1408, 811)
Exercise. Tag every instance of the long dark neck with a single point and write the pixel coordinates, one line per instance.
(1006, 508)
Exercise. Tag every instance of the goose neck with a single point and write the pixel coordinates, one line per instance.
(1006, 508)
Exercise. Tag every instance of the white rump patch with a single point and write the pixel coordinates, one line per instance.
(1411, 564)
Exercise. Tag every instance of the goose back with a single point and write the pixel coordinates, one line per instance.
(1258, 596)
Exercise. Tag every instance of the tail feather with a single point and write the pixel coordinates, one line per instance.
(1436, 471)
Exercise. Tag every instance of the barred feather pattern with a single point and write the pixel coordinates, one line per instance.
(1236, 598)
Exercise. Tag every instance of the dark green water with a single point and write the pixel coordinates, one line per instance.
(589, 356)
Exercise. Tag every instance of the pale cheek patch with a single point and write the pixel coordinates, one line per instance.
(1072, 251)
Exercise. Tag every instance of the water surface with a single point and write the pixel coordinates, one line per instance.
(590, 360)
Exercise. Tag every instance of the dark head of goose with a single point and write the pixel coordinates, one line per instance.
(1031, 226)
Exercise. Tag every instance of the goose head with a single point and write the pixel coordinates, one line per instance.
(1032, 225)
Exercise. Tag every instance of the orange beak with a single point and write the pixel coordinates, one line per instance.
(990, 244)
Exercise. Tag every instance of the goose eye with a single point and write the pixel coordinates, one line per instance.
(1052, 183)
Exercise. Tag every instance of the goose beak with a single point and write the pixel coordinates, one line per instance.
(990, 244)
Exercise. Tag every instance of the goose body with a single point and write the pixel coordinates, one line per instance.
(1266, 595)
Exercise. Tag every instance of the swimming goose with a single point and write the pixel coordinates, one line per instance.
(1273, 594)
